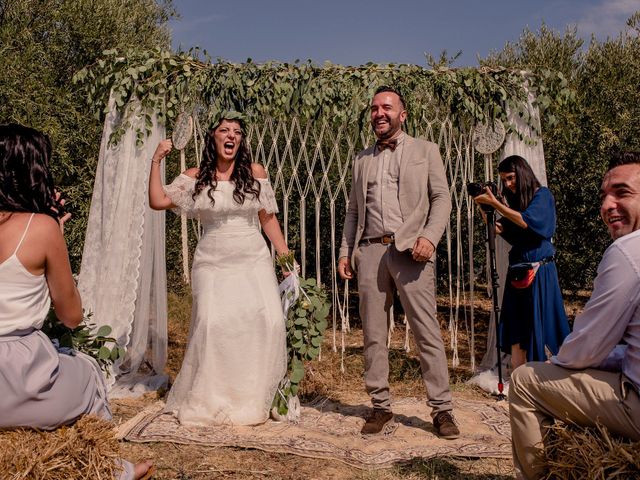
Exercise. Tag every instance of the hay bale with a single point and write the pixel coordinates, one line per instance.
(87, 449)
(577, 453)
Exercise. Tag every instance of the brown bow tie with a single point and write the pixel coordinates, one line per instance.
(390, 144)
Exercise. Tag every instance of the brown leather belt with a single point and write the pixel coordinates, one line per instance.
(385, 240)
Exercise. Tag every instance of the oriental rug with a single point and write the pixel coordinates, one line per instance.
(329, 429)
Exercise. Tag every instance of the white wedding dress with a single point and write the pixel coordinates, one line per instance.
(236, 354)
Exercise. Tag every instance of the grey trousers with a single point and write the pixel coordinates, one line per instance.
(41, 388)
(381, 271)
(541, 392)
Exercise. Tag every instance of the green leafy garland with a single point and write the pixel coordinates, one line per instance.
(306, 322)
(85, 338)
(167, 84)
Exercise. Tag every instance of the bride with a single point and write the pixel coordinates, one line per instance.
(236, 354)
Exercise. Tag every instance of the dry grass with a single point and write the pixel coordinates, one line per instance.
(323, 377)
(575, 453)
(88, 449)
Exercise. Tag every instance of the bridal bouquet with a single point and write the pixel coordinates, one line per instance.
(85, 338)
(306, 308)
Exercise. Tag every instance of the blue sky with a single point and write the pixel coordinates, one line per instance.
(354, 32)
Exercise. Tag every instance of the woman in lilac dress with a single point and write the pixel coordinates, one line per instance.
(39, 387)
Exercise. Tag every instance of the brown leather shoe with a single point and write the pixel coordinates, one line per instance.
(445, 425)
(376, 421)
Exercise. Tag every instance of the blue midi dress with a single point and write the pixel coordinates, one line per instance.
(534, 317)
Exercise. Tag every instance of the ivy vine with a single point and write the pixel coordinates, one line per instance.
(306, 321)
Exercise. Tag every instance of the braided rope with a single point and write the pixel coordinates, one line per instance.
(309, 166)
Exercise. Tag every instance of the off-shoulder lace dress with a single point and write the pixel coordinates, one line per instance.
(236, 354)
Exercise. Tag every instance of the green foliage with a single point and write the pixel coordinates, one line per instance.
(85, 338)
(604, 115)
(43, 43)
(589, 99)
(306, 323)
(169, 83)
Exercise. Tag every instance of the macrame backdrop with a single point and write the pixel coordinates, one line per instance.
(122, 278)
(309, 165)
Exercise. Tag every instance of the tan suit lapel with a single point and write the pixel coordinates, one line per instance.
(404, 157)
(366, 168)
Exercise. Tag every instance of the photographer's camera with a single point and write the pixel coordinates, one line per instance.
(477, 188)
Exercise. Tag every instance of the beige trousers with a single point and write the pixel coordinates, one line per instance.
(381, 271)
(541, 392)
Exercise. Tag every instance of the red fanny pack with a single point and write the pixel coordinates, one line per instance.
(522, 275)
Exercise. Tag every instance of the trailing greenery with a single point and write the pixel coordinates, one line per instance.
(84, 338)
(167, 84)
(306, 323)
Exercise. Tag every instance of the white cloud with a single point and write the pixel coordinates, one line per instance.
(607, 19)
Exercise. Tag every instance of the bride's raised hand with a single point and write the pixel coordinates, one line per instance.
(162, 150)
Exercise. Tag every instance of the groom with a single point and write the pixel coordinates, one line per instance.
(398, 208)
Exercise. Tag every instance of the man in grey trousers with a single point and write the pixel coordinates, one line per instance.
(595, 378)
(398, 208)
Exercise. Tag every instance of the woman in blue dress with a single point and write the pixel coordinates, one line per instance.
(533, 320)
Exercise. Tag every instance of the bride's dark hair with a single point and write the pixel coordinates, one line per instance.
(26, 183)
(242, 175)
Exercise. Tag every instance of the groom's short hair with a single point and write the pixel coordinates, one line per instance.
(386, 88)
(620, 157)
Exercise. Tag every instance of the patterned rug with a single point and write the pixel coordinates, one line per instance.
(329, 429)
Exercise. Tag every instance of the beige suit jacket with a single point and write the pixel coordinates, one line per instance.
(423, 193)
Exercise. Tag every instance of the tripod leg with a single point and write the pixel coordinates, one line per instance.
(491, 241)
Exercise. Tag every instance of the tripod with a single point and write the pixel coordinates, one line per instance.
(491, 241)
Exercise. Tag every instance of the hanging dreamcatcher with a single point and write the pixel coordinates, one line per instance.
(182, 132)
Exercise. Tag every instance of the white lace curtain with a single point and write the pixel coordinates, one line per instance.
(122, 278)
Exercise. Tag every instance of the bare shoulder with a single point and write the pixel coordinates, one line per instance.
(258, 171)
(47, 230)
(44, 237)
(192, 172)
(45, 224)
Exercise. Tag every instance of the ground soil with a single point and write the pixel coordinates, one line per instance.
(337, 375)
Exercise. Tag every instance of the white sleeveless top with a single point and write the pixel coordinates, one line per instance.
(24, 297)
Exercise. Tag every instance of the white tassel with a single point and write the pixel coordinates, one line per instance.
(407, 348)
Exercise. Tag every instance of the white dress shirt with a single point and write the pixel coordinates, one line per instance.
(606, 335)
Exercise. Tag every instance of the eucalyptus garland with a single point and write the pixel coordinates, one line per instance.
(167, 84)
